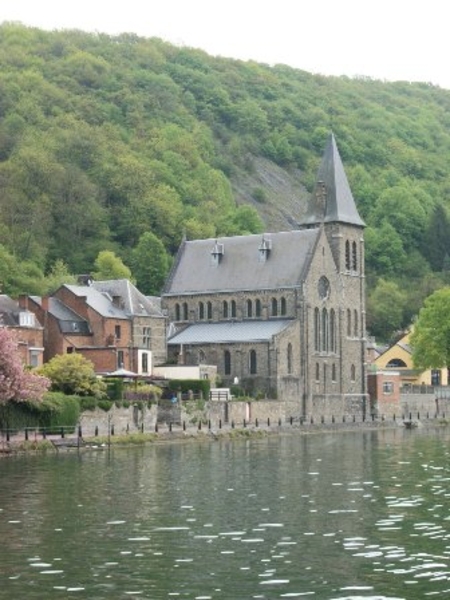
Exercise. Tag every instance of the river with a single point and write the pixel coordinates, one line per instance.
(348, 515)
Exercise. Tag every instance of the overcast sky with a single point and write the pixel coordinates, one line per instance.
(387, 39)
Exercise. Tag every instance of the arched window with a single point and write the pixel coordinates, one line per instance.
(233, 309)
(177, 312)
(333, 372)
(317, 372)
(185, 311)
(274, 307)
(201, 356)
(249, 308)
(225, 309)
(353, 373)
(332, 331)
(209, 310)
(227, 362)
(252, 362)
(347, 255)
(258, 308)
(355, 323)
(325, 340)
(283, 306)
(201, 310)
(396, 363)
(316, 330)
(349, 322)
(354, 257)
(289, 358)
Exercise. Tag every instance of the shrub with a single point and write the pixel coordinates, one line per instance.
(259, 195)
(197, 386)
(105, 405)
(56, 410)
(73, 374)
(87, 403)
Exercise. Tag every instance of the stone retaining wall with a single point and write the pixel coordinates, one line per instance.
(134, 418)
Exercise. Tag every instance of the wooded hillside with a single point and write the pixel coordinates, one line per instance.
(126, 144)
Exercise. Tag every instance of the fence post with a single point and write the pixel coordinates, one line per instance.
(62, 432)
(26, 434)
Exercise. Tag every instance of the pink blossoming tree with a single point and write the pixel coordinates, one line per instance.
(17, 384)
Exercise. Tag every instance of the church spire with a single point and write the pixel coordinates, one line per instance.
(332, 200)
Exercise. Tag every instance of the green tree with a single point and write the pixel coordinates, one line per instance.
(430, 338)
(437, 238)
(58, 275)
(73, 374)
(109, 266)
(150, 264)
(385, 309)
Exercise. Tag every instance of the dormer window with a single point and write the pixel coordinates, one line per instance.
(264, 249)
(26, 319)
(217, 254)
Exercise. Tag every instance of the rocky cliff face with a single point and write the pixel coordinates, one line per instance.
(275, 193)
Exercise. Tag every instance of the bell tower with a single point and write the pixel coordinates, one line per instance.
(333, 207)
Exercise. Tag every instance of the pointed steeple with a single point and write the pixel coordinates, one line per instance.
(332, 200)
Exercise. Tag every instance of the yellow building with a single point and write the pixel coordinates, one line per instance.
(398, 357)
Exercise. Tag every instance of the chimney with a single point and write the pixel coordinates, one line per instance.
(44, 303)
(23, 301)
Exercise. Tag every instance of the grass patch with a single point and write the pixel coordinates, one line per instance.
(129, 439)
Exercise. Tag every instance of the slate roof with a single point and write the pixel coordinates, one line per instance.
(229, 332)
(98, 301)
(240, 267)
(134, 302)
(339, 205)
(69, 321)
(10, 313)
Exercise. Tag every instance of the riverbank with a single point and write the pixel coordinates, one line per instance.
(77, 443)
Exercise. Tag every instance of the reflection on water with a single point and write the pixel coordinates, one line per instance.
(359, 515)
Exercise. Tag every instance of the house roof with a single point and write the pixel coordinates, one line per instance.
(10, 311)
(69, 321)
(332, 199)
(133, 302)
(240, 263)
(229, 332)
(100, 302)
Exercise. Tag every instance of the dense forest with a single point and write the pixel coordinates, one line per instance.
(120, 146)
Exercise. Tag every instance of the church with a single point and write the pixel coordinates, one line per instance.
(280, 314)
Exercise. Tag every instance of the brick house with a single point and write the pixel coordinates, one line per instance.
(111, 323)
(283, 313)
(28, 330)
